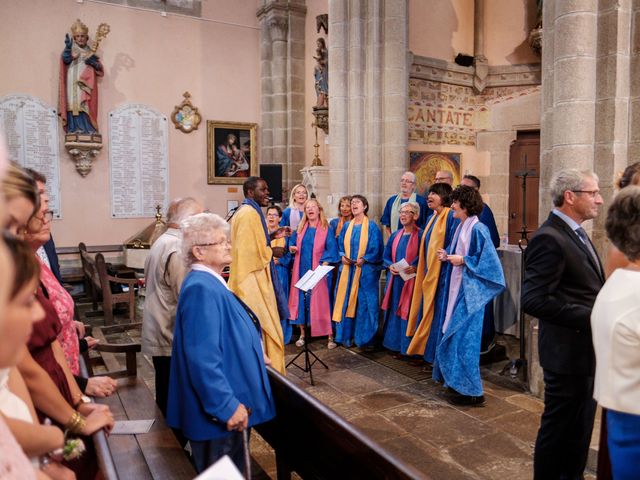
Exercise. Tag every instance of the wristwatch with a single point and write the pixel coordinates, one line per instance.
(83, 399)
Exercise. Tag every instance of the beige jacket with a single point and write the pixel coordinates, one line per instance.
(164, 272)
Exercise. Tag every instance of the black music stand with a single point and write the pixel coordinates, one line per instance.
(308, 363)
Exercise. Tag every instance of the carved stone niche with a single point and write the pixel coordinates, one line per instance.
(322, 118)
(535, 40)
(83, 148)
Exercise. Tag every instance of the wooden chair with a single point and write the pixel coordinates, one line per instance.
(110, 299)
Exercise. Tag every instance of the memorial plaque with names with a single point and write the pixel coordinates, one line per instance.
(31, 130)
(138, 161)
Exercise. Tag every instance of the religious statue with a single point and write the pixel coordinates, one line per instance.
(80, 68)
(321, 73)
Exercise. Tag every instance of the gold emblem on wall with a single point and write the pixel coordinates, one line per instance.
(185, 116)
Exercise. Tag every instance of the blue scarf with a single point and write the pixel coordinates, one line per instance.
(281, 298)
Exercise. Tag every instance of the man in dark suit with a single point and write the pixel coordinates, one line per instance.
(563, 275)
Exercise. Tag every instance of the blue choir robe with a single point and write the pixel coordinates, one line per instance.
(364, 326)
(395, 327)
(330, 255)
(488, 325)
(457, 354)
(283, 269)
(442, 292)
(333, 223)
(285, 221)
(425, 211)
(217, 362)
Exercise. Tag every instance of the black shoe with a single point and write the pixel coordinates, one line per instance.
(466, 401)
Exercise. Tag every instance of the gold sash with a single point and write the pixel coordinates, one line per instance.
(344, 275)
(426, 285)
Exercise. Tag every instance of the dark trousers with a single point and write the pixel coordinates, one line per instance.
(162, 366)
(563, 440)
(208, 452)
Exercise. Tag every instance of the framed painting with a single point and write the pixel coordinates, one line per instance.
(231, 152)
(426, 164)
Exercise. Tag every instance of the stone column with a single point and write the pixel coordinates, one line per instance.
(613, 125)
(569, 90)
(282, 61)
(368, 92)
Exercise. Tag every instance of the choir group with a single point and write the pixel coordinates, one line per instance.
(442, 273)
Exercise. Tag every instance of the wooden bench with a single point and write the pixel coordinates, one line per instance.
(315, 442)
(98, 285)
(153, 455)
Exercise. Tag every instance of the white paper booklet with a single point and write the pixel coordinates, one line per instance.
(400, 266)
(312, 277)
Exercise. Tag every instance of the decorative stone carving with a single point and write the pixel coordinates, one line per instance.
(83, 152)
(480, 74)
(322, 118)
(426, 68)
(535, 40)
(316, 179)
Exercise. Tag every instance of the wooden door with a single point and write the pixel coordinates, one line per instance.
(524, 166)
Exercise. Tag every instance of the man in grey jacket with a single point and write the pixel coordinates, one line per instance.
(164, 271)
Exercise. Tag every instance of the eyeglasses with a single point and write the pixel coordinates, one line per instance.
(403, 180)
(224, 242)
(46, 216)
(406, 212)
(442, 179)
(593, 193)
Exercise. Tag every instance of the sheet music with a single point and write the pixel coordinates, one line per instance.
(400, 266)
(310, 279)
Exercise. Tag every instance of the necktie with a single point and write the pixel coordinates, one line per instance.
(585, 239)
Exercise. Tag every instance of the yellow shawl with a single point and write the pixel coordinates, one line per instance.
(426, 285)
(344, 275)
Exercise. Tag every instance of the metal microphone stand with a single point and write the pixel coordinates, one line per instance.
(305, 348)
(515, 366)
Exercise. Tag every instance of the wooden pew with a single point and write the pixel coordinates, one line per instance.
(315, 442)
(98, 284)
(153, 455)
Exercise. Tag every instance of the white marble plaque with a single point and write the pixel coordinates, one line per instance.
(31, 130)
(138, 161)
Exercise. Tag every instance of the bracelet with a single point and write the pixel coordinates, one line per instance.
(76, 423)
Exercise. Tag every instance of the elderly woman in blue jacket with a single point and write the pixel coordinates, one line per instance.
(218, 385)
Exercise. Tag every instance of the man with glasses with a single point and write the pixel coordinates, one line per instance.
(563, 276)
(444, 176)
(164, 271)
(391, 214)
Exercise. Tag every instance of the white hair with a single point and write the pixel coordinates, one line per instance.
(411, 174)
(414, 206)
(197, 230)
(568, 179)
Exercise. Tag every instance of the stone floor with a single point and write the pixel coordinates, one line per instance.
(399, 406)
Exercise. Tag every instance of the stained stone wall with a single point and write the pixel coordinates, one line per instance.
(282, 43)
(368, 88)
(590, 92)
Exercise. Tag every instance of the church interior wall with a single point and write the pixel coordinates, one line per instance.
(314, 8)
(148, 59)
(438, 31)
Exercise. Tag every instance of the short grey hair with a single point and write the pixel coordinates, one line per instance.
(414, 206)
(446, 173)
(181, 208)
(568, 179)
(198, 229)
(411, 174)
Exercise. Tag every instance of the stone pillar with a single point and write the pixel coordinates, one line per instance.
(368, 92)
(569, 90)
(282, 61)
